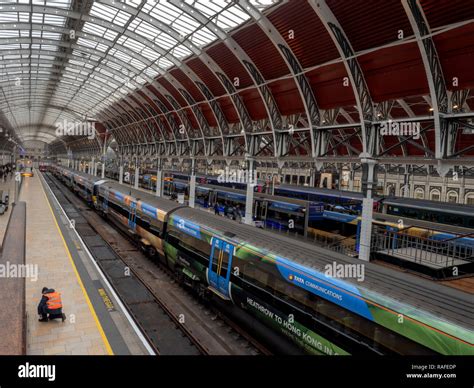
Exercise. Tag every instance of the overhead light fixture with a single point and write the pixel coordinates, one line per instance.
(431, 109)
(455, 106)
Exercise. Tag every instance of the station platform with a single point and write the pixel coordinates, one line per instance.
(97, 323)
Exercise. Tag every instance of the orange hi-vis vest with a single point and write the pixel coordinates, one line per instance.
(54, 300)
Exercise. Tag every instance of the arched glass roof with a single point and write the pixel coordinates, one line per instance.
(70, 59)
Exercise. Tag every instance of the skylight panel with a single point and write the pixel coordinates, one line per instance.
(24, 17)
(202, 37)
(165, 41)
(8, 33)
(110, 35)
(52, 3)
(103, 11)
(164, 63)
(151, 73)
(133, 45)
(72, 70)
(55, 20)
(262, 4)
(9, 47)
(8, 17)
(165, 12)
(208, 8)
(50, 35)
(121, 18)
(140, 80)
(113, 65)
(121, 55)
(136, 64)
(150, 54)
(146, 30)
(48, 57)
(181, 51)
(86, 43)
(94, 29)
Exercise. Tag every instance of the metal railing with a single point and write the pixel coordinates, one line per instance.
(422, 250)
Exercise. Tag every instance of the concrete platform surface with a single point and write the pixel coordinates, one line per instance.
(90, 328)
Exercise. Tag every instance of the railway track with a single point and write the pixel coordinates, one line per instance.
(173, 320)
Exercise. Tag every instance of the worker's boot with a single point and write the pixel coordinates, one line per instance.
(63, 316)
(43, 319)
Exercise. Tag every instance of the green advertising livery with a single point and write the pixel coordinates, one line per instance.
(282, 283)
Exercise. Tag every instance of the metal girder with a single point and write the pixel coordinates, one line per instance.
(123, 31)
(412, 115)
(167, 116)
(296, 70)
(444, 129)
(217, 71)
(80, 6)
(263, 89)
(365, 106)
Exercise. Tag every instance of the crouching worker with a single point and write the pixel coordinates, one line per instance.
(50, 306)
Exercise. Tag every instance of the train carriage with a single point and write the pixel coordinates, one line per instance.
(286, 285)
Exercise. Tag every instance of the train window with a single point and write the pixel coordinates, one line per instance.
(155, 228)
(191, 243)
(220, 262)
(453, 220)
(251, 271)
(145, 222)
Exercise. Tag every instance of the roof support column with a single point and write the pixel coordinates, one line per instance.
(248, 219)
(365, 235)
(192, 184)
(159, 178)
(137, 176)
(121, 172)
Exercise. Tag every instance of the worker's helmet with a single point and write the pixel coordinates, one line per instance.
(44, 290)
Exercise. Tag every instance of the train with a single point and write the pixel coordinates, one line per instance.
(340, 201)
(341, 221)
(284, 284)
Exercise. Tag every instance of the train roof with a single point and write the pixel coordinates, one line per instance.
(317, 190)
(150, 199)
(89, 177)
(413, 222)
(439, 300)
(264, 196)
(452, 208)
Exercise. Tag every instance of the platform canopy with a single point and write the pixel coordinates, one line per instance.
(295, 80)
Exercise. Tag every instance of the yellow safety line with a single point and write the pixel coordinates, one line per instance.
(86, 296)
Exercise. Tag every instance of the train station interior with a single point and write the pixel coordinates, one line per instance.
(243, 178)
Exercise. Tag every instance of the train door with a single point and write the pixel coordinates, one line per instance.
(212, 197)
(260, 212)
(132, 216)
(220, 265)
(105, 204)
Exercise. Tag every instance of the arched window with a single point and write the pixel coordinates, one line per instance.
(470, 199)
(420, 193)
(435, 195)
(452, 196)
